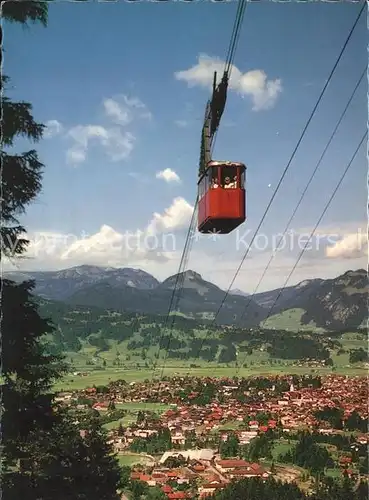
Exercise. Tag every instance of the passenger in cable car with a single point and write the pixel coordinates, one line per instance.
(227, 183)
(214, 183)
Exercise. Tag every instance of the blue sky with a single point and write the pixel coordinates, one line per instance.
(78, 70)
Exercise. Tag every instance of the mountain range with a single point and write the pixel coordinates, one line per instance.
(334, 303)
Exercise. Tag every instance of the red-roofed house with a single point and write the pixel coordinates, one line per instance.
(210, 488)
(100, 406)
(177, 495)
(263, 428)
(229, 465)
(172, 475)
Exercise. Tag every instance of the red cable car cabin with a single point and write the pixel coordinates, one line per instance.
(221, 197)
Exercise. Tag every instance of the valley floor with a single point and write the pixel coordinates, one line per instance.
(87, 378)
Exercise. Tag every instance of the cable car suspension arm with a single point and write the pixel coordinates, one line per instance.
(214, 110)
(216, 105)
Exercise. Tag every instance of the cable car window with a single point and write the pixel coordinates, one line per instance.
(205, 182)
(209, 177)
(201, 188)
(214, 177)
(229, 177)
(242, 185)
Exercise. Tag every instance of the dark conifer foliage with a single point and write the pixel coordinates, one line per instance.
(25, 11)
(20, 173)
(28, 373)
(43, 454)
(257, 489)
(67, 465)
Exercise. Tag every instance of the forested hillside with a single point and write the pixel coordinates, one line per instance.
(92, 331)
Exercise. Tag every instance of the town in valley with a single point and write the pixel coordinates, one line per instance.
(190, 437)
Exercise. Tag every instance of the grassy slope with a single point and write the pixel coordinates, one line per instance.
(132, 411)
(290, 320)
(131, 459)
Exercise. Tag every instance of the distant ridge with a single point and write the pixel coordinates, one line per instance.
(237, 291)
(332, 303)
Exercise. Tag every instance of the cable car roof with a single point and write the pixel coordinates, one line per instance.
(220, 163)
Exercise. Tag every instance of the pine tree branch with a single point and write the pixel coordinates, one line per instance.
(18, 120)
(21, 182)
(23, 11)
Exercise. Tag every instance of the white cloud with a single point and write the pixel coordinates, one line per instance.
(139, 177)
(158, 243)
(337, 230)
(157, 248)
(160, 255)
(53, 128)
(175, 217)
(116, 113)
(181, 123)
(254, 83)
(76, 155)
(168, 175)
(45, 243)
(348, 240)
(351, 246)
(95, 246)
(123, 109)
(112, 248)
(117, 144)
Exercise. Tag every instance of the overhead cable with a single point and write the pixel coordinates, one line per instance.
(304, 192)
(291, 158)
